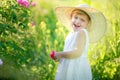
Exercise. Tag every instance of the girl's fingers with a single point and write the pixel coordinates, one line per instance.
(56, 59)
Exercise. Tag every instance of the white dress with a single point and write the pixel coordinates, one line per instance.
(77, 68)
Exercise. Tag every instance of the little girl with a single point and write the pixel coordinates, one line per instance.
(86, 25)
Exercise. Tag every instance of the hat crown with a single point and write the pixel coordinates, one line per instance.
(83, 6)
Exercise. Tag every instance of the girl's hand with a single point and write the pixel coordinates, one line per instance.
(57, 57)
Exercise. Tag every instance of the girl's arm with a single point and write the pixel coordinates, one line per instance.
(80, 45)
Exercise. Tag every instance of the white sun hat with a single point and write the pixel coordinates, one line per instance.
(98, 22)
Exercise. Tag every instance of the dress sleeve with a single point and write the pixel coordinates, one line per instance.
(81, 40)
(80, 43)
(82, 37)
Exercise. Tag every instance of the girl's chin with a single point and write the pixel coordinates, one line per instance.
(76, 29)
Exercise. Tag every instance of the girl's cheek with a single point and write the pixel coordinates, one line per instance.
(72, 20)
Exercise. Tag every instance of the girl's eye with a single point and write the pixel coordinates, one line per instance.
(83, 20)
(76, 17)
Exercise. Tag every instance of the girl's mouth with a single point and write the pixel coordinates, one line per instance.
(76, 25)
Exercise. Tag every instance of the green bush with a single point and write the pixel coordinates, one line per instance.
(16, 41)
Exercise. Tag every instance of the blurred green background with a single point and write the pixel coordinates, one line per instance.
(28, 35)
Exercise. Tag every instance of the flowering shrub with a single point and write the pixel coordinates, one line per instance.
(16, 42)
(24, 3)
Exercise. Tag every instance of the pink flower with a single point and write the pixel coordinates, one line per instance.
(34, 4)
(1, 62)
(19, 1)
(24, 3)
(52, 55)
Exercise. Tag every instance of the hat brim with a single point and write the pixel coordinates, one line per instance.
(98, 24)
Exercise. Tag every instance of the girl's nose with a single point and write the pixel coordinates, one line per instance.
(78, 22)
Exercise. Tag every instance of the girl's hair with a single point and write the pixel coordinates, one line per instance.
(81, 12)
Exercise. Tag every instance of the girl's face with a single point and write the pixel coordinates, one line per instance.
(79, 20)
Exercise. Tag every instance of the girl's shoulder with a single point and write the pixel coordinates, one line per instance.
(82, 31)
